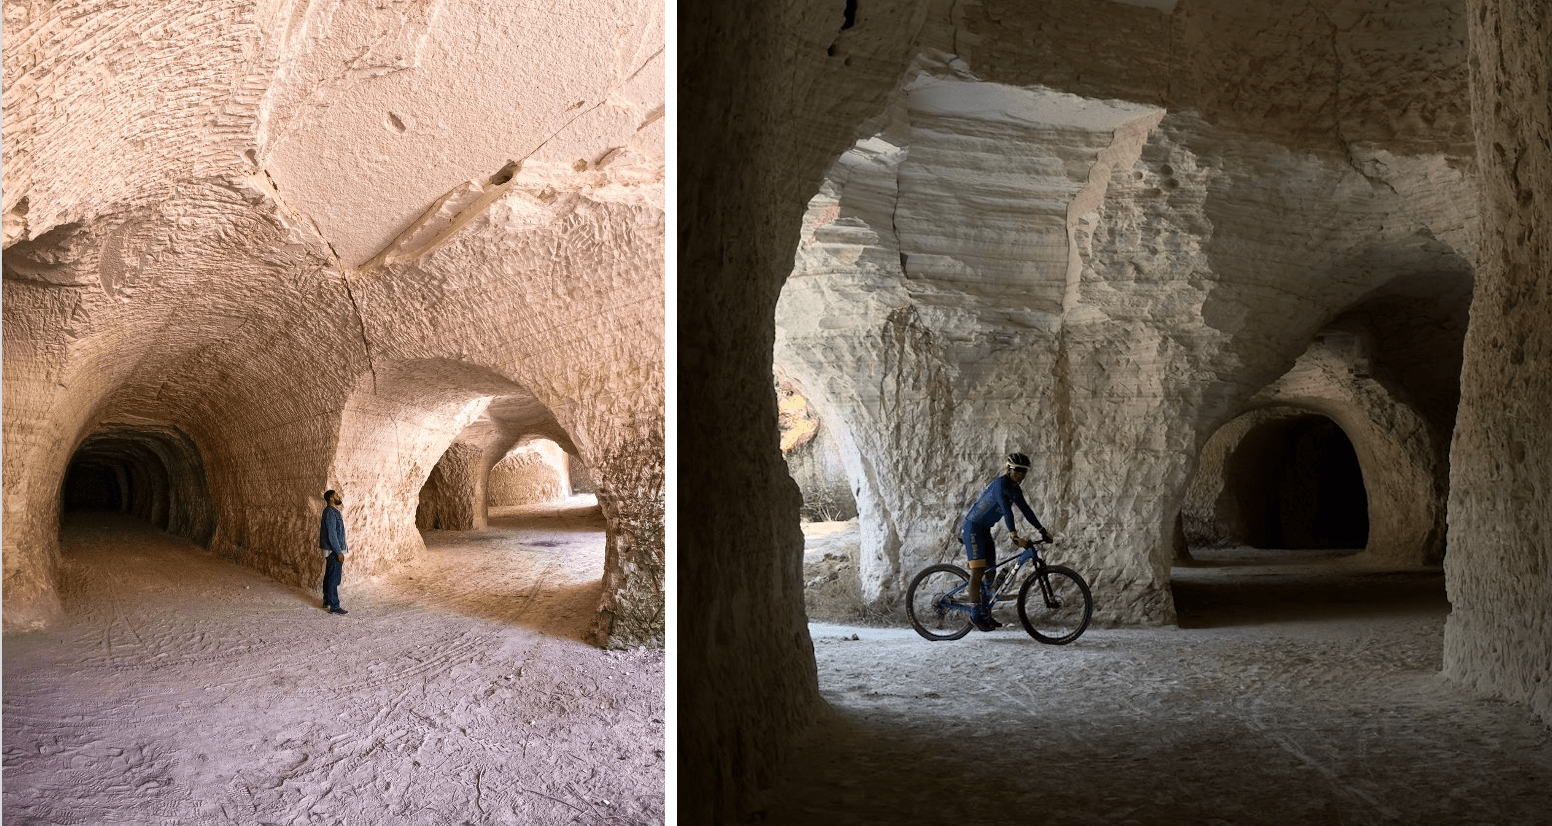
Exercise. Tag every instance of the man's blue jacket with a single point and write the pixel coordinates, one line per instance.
(331, 533)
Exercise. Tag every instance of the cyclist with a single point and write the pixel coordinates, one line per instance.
(996, 503)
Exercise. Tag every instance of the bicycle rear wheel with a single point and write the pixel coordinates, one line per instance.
(938, 602)
(1055, 605)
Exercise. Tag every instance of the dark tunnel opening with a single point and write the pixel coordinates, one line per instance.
(153, 473)
(93, 486)
(1276, 529)
(1298, 484)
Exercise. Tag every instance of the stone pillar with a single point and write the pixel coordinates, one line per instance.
(451, 499)
(770, 95)
(1498, 639)
(630, 477)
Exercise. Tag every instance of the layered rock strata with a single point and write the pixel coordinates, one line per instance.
(317, 240)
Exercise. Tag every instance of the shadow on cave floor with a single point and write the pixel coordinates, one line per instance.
(1249, 586)
(1306, 691)
(537, 566)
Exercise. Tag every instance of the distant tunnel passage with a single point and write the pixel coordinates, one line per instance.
(152, 472)
(1298, 484)
(94, 486)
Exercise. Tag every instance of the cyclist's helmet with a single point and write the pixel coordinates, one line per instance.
(1018, 461)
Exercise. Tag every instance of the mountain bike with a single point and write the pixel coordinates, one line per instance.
(1054, 603)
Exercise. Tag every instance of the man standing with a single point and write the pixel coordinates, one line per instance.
(996, 503)
(331, 540)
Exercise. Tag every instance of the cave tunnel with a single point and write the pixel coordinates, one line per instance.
(505, 536)
(1298, 485)
(153, 473)
(1276, 529)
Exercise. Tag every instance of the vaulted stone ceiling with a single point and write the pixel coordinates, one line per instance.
(310, 237)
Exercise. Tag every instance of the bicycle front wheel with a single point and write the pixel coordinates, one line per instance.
(938, 602)
(1055, 605)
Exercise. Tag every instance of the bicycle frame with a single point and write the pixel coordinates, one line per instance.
(1000, 581)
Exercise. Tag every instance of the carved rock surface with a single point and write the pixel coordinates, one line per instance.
(1097, 284)
(319, 240)
(527, 476)
(1499, 569)
(1103, 293)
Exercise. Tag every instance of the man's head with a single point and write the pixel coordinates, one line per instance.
(1018, 466)
(333, 498)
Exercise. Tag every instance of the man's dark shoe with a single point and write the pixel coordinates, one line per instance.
(983, 621)
(338, 611)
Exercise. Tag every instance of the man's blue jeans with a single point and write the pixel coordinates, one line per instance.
(333, 569)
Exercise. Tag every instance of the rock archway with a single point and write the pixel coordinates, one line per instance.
(288, 205)
(536, 470)
(407, 419)
(1279, 478)
(1336, 450)
(1183, 260)
(151, 471)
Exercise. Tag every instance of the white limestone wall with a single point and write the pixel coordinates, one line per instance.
(1097, 284)
(528, 474)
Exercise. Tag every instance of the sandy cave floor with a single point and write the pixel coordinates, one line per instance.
(1302, 688)
(184, 689)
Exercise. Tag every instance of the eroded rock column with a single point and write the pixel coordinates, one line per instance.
(451, 499)
(1499, 569)
(768, 96)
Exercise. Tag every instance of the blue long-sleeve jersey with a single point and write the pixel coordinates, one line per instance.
(997, 502)
(331, 532)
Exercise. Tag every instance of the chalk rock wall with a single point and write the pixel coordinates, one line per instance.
(1498, 638)
(317, 240)
(450, 500)
(1097, 284)
(525, 477)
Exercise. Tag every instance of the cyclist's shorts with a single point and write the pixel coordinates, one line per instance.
(978, 544)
